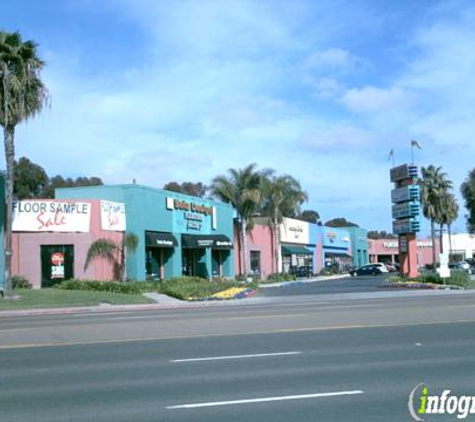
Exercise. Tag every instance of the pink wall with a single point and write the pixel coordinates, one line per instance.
(380, 247)
(26, 259)
(259, 239)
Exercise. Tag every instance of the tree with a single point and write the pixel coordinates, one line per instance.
(383, 234)
(188, 188)
(434, 186)
(59, 182)
(468, 193)
(30, 180)
(340, 222)
(449, 214)
(22, 96)
(113, 253)
(282, 197)
(310, 216)
(242, 189)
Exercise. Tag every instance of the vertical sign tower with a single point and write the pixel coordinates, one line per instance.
(406, 213)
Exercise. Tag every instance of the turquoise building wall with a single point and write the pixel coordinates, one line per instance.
(146, 210)
(359, 245)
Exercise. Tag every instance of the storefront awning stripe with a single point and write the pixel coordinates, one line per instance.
(214, 241)
(160, 240)
(296, 250)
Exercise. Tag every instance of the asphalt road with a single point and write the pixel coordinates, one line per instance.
(345, 285)
(339, 360)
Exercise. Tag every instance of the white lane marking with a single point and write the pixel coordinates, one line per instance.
(265, 399)
(260, 355)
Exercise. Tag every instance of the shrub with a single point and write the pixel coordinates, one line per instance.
(128, 287)
(327, 271)
(280, 277)
(458, 278)
(430, 277)
(20, 282)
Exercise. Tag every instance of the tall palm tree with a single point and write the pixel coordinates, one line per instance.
(434, 187)
(112, 252)
(282, 197)
(22, 96)
(449, 214)
(242, 189)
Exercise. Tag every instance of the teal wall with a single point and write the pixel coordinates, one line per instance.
(2, 230)
(146, 210)
(359, 245)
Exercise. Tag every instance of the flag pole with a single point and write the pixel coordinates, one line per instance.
(412, 152)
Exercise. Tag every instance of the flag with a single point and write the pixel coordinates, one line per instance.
(415, 144)
(391, 154)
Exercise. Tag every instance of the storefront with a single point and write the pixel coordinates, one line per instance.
(387, 251)
(178, 234)
(297, 248)
(51, 239)
(336, 249)
(359, 245)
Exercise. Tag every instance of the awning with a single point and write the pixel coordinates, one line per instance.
(296, 250)
(160, 240)
(214, 241)
(337, 255)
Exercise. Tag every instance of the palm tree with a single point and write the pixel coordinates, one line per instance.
(113, 253)
(449, 214)
(241, 189)
(282, 197)
(434, 187)
(22, 96)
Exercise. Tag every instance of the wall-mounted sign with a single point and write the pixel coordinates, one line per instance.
(113, 216)
(403, 244)
(51, 216)
(295, 231)
(194, 217)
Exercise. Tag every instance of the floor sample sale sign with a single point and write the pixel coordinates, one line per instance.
(51, 216)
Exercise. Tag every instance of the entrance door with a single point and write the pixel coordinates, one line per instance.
(57, 264)
(192, 262)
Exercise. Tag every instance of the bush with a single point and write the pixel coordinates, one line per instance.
(458, 278)
(430, 277)
(128, 287)
(280, 277)
(327, 271)
(20, 282)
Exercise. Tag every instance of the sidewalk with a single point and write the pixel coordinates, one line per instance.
(305, 280)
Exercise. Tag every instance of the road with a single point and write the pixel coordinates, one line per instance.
(301, 359)
(344, 285)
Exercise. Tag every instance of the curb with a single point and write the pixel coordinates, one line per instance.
(303, 281)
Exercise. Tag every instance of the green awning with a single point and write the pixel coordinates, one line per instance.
(296, 250)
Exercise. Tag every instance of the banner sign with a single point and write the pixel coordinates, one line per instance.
(57, 267)
(51, 216)
(113, 216)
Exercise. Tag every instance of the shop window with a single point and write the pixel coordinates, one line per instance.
(256, 262)
(57, 264)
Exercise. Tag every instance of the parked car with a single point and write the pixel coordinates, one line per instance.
(369, 269)
(461, 266)
(392, 266)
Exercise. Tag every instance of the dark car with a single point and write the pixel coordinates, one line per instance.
(367, 270)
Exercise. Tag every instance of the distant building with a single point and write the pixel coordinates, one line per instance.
(386, 250)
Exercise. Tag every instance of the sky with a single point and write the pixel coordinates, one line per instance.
(162, 91)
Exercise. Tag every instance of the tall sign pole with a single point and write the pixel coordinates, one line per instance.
(406, 213)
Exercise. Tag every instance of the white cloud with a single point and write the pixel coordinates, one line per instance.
(330, 58)
(371, 99)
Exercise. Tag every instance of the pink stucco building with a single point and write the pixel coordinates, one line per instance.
(386, 250)
(51, 239)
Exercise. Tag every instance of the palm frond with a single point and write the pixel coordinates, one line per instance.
(101, 248)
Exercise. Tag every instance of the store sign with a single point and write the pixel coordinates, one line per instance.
(51, 216)
(113, 216)
(405, 210)
(406, 193)
(194, 216)
(57, 265)
(295, 231)
(403, 244)
(403, 172)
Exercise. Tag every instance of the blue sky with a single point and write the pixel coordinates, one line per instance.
(183, 90)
